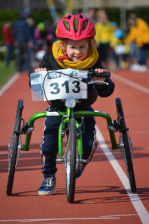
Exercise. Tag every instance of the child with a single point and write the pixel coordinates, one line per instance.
(75, 50)
(104, 32)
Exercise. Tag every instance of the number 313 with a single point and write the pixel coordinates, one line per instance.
(57, 87)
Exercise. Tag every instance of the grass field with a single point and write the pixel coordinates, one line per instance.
(6, 72)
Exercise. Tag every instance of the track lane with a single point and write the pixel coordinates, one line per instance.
(95, 197)
(136, 110)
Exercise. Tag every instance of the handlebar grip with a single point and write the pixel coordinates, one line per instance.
(106, 74)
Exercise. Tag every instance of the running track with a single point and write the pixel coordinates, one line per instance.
(102, 192)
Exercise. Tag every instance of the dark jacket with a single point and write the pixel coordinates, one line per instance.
(21, 30)
(50, 63)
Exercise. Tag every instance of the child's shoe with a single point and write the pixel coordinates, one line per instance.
(48, 186)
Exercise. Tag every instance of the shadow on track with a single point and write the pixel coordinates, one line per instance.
(87, 194)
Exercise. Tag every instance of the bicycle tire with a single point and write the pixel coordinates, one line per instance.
(127, 155)
(71, 161)
(14, 147)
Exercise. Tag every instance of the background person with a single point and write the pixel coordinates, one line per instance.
(119, 49)
(8, 40)
(43, 35)
(139, 34)
(104, 32)
(30, 55)
(22, 40)
(91, 15)
(133, 47)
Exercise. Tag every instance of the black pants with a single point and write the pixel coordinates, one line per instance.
(21, 56)
(49, 146)
(103, 51)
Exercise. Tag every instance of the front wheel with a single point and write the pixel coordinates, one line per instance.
(13, 147)
(71, 161)
(125, 145)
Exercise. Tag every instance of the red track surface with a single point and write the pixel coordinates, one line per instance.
(100, 196)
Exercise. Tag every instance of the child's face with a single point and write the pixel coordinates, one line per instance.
(77, 50)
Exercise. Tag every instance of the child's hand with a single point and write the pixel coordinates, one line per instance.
(99, 70)
(40, 69)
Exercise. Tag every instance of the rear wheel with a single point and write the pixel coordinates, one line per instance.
(13, 147)
(71, 161)
(125, 145)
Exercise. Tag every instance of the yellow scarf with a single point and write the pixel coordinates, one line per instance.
(81, 65)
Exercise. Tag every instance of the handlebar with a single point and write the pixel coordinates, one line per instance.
(93, 73)
(38, 79)
(82, 75)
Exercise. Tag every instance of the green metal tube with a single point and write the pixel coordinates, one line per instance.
(35, 117)
(25, 147)
(60, 139)
(60, 142)
(80, 143)
(104, 115)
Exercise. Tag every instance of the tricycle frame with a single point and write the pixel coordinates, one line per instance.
(66, 115)
(125, 144)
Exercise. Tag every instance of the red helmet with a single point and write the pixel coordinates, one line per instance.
(75, 27)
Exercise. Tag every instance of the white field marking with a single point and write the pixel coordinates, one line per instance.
(130, 83)
(9, 83)
(64, 219)
(134, 198)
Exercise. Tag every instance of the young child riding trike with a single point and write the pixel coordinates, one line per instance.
(70, 78)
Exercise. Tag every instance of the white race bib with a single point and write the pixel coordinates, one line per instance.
(64, 87)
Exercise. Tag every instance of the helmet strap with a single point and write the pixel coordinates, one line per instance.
(89, 42)
(65, 54)
(63, 43)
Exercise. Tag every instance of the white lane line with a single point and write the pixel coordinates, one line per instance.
(64, 219)
(130, 83)
(9, 83)
(134, 198)
(123, 215)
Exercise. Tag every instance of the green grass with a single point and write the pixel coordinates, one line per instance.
(6, 72)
